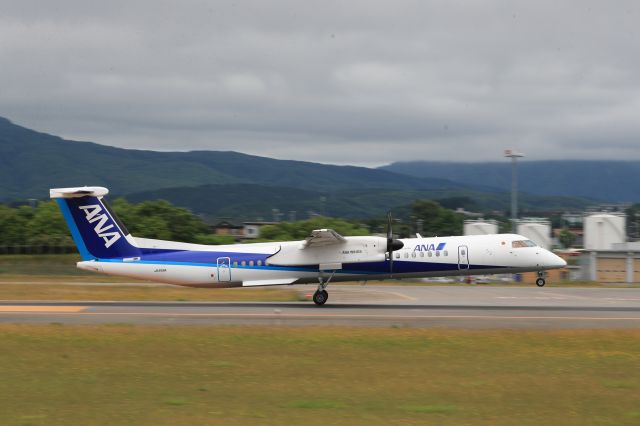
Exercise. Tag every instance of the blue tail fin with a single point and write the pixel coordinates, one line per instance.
(96, 230)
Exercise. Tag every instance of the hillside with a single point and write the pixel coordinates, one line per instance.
(251, 202)
(611, 181)
(32, 162)
(236, 185)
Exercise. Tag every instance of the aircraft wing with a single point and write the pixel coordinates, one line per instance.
(322, 237)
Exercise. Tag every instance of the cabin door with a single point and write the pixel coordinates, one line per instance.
(224, 269)
(463, 257)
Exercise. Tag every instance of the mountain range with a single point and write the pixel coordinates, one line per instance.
(610, 181)
(232, 184)
(32, 162)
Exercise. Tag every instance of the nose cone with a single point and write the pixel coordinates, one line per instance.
(552, 261)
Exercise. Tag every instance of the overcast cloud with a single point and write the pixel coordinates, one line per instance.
(348, 82)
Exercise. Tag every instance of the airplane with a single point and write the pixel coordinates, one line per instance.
(325, 256)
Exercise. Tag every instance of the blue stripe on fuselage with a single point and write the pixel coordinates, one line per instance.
(210, 258)
(406, 267)
(203, 257)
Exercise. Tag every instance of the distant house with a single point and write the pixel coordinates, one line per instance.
(226, 227)
(244, 230)
(463, 212)
(573, 220)
(252, 229)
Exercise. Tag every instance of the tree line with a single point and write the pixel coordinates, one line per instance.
(43, 224)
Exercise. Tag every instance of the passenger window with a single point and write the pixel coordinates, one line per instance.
(235, 264)
(243, 263)
(259, 262)
(397, 255)
(406, 255)
(437, 253)
(413, 254)
(421, 254)
(446, 253)
(430, 254)
(523, 243)
(251, 263)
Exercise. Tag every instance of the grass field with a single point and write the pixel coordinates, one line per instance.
(138, 375)
(50, 268)
(140, 293)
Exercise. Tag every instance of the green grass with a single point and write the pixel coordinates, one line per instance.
(41, 265)
(430, 409)
(315, 404)
(140, 293)
(143, 375)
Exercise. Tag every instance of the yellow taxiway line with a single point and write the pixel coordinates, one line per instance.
(27, 308)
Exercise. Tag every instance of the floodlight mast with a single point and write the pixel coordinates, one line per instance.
(514, 155)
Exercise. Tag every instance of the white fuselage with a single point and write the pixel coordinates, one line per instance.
(357, 258)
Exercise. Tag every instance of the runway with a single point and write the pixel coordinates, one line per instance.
(401, 306)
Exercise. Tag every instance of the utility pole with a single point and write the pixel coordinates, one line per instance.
(510, 153)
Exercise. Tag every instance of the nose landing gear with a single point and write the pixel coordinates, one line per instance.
(540, 282)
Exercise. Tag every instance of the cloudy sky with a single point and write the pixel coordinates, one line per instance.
(346, 82)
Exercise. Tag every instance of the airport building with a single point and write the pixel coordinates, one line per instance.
(603, 230)
(536, 229)
(608, 257)
(480, 227)
(618, 265)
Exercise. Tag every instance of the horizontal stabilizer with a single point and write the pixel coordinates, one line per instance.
(85, 191)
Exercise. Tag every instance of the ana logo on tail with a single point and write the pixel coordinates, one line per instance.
(94, 214)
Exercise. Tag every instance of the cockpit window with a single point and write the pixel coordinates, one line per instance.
(523, 243)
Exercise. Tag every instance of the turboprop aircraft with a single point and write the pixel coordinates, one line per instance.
(324, 256)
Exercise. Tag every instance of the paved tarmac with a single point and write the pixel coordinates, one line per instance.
(404, 306)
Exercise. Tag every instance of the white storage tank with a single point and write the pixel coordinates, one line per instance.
(480, 227)
(537, 230)
(603, 230)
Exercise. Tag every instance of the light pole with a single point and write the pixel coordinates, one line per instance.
(510, 153)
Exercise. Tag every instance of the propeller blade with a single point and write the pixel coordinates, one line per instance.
(390, 241)
(392, 245)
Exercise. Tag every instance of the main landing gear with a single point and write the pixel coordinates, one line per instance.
(540, 282)
(320, 296)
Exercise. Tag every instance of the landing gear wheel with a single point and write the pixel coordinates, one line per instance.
(320, 297)
(540, 282)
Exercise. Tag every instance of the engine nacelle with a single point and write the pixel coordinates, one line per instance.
(352, 250)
